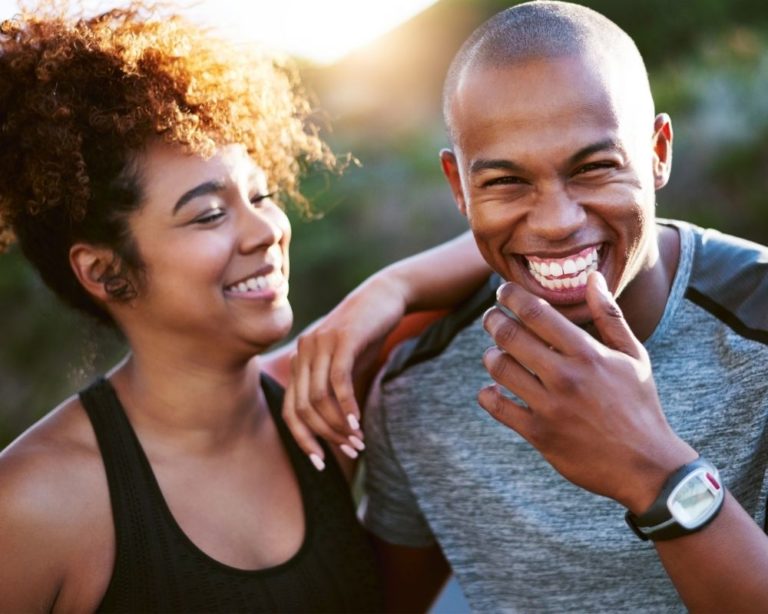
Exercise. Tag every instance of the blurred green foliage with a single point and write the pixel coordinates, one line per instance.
(708, 62)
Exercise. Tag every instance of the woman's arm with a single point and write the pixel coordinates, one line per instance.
(337, 356)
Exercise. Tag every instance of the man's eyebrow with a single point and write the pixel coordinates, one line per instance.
(484, 164)
(585, 152)
(204, 188)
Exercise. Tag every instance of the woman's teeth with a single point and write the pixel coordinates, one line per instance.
(564, 273)
(261, 282)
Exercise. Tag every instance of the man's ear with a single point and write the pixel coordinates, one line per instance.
(451, 171)
(92, 265)
(662, 150)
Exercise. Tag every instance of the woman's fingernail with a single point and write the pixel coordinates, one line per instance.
(356, 442)
(351, 452)
(353, 422)
(317, 461)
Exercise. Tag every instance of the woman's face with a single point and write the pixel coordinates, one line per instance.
(215, 248)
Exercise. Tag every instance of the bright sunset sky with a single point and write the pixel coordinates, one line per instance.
(320, 30)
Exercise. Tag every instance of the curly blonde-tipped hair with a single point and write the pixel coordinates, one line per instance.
(80, 97)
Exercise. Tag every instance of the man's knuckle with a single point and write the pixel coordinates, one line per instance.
(531, 311)
(613, 312)
(496, 407)
(587, 357)
(565, 381)
(507, 332)
(498, 365)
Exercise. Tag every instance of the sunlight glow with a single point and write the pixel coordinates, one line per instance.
(319, 30)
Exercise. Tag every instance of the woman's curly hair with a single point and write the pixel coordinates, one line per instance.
(80, 97)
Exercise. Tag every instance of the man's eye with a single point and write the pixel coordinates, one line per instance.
(256, 199)
(594, 166)
(505, 180)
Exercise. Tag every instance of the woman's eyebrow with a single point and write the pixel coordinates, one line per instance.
(208, 187)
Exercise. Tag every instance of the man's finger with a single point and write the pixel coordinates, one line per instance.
(516, 340)
(608, 318)
(506, 411)
(542, 319)
(509, 373)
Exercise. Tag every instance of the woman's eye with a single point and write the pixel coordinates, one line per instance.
(210, 216)
(256, 199)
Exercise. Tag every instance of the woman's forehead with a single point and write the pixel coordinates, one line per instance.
(166, 166)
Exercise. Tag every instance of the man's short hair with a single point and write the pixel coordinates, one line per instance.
(540, 29)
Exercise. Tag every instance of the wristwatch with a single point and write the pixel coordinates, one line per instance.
(690, 499)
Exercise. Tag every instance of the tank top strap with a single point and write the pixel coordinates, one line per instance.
(141, 537)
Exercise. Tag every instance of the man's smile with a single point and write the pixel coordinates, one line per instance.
(567, 272)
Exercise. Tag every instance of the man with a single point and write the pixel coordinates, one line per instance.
(556, 156)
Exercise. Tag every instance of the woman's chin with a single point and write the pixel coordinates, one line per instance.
(279, 328)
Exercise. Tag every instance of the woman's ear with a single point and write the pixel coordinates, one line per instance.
(92, 265)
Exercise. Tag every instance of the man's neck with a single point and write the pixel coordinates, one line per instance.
(644, 300)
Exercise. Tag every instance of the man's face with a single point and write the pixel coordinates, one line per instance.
(557, 176)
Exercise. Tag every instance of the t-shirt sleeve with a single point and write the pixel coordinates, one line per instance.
(392, 511)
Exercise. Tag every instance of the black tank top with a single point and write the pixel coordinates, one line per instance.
(158, 569)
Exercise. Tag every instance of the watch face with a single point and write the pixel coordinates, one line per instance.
(693, 499)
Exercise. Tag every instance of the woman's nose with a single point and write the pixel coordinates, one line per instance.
(261, 226)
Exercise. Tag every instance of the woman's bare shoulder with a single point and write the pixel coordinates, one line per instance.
(53, 455)
(54, 505)
(48, 469)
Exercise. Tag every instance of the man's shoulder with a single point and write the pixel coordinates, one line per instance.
(437, 338)
(729, 279)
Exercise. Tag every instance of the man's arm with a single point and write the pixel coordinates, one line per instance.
(413, 577)
(592, 411)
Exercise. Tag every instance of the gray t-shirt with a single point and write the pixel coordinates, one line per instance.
(518, 536)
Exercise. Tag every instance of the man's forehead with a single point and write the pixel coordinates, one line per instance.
(528, 88)
(534, 93)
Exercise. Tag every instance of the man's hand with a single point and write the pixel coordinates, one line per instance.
(591, 407)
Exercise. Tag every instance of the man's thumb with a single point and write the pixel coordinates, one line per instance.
(608, 318)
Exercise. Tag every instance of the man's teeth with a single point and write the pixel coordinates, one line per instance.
(563, 273)
(262, 282)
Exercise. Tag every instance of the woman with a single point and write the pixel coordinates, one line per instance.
(141, 162)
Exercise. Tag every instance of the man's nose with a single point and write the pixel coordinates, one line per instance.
(555, 215)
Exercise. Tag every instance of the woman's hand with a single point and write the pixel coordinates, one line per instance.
(335, 359)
